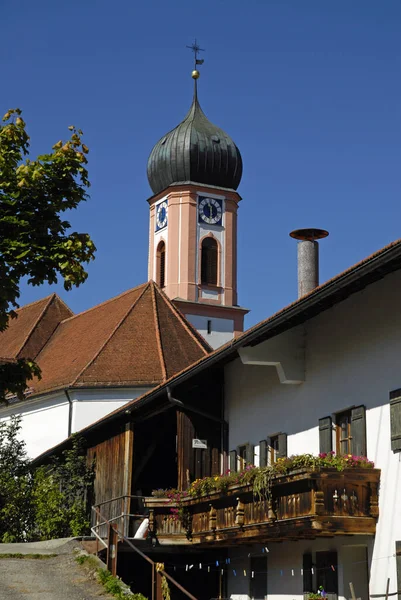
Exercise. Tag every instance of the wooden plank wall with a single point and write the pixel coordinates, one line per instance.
(113, 468)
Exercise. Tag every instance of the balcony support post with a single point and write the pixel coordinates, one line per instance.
(319, 502)
(374, 500)
(239, 513)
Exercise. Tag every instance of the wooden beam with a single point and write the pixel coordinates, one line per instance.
(128, 460)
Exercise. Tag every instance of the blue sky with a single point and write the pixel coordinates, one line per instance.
(310, 90)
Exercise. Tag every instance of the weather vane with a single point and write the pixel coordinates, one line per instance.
(198, 61)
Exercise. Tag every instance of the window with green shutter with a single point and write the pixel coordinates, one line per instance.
(351, 431)
(395, 420)
(277, 447)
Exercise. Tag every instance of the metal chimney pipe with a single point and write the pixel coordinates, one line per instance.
(308, 258)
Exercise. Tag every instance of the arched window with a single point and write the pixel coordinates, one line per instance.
(161, 264)
(209, 261)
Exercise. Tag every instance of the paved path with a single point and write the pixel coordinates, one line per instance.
(58, 578)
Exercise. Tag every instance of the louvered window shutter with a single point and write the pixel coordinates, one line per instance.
(249, 454)
(395, 421)
(282, 445)
(233, 461)
(325, 435)
(307, 574)
(263, 453)
(358, 431)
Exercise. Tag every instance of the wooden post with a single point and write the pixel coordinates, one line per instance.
(159, 595)
(112, 549)
(153, 581)
(351, 587)
(128, 460)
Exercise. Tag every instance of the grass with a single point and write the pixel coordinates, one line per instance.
(28, 556)
(112, 585)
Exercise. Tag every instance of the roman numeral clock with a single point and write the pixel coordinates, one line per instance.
(210, 211)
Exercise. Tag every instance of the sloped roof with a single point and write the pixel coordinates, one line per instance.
(368, 271)
(30, 330)
(136, 339)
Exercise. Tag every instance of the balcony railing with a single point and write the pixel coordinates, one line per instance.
(303, 504)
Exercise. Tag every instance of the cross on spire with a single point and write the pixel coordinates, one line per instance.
(196, 49)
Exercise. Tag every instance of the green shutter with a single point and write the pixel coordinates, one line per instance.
(233, 461)
(325, 435)
(263, 453)
(282, 445)
(358, 431)
(395, 420)
(307, 573)
(250, 454)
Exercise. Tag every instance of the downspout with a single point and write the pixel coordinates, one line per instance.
(69, 413)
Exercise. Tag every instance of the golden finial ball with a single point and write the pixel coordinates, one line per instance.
(195, 74)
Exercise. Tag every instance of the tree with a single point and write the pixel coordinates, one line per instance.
(15, 484)
(35, 241)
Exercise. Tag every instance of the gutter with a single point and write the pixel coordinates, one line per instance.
(69, 413)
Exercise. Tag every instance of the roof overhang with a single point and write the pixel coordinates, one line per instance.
(368, 271)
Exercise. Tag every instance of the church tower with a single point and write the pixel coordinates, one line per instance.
(194, 172)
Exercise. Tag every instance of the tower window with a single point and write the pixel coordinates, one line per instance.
(209, 261)
(161, 264)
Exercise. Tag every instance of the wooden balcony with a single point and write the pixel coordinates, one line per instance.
(303, 504)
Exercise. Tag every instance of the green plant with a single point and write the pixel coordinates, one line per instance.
(35, 242)
(114, 585)
(60, 494)
(16, 515)
(261, 478)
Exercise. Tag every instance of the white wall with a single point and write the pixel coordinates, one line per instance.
(352, 357)
(284, 577)
(222, 329)
(91, 405)
(45, 420)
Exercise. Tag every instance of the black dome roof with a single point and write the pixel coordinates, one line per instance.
(197, 151)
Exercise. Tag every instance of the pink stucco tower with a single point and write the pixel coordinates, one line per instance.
(194, 172)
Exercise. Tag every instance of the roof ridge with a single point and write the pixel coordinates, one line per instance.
(49, 300)
(132, 306)
(104, 302)
(158, 337)
(34, 302)
(186, 324)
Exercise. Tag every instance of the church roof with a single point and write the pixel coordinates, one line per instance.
(196, 151)
(28, 333)
(136, 339)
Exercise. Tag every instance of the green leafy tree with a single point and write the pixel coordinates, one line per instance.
(44, 503)
(61, 495)
(35, 240)
(15, 484)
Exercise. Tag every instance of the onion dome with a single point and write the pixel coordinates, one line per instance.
(196, 151)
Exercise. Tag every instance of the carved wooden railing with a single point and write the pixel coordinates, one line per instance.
(305, 503)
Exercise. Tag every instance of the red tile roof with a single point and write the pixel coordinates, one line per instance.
(136, 339)
(30, 330)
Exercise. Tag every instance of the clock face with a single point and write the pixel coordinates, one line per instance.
(210, 211)
(161, 216)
